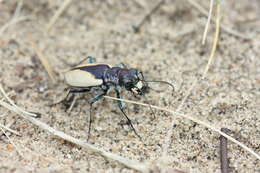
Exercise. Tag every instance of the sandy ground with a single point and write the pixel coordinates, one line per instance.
(167, 48)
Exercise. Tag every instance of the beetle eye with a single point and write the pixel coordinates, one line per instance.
(128, 84)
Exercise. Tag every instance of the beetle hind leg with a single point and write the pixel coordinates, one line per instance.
(92, 101)
(91, 59)
(68, 92)
(121, 107)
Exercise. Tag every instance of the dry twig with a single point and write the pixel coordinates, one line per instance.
(128, 163)
(223, 153)
(44, 62)
(12, 103)
(224, 28)
(15, 19)
(148, 16)
(10, 130)
(57, 14)
(207, 125)
(11, 141)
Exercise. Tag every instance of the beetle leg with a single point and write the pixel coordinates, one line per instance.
(120, 105)
(91, 59)
(121, 65)
(79, 90)
(92, 101)
(62, 100)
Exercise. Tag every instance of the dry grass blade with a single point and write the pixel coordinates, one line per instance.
(8, 125)
(208, 22)
(226, 29)
(214, 47)
(57, 14)
(128, 163)
(18, 9)
(44, 62)
(11, 141)
(194, 120)
(10, 130)
(194, 83)
(15, 19)
(167, 142)
(12, 22)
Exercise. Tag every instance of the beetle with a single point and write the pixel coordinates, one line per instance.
(103, 77)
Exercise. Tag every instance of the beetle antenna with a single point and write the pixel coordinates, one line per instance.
(164, 82)
(155, 81)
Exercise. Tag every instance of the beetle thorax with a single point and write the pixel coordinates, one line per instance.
(111, 76)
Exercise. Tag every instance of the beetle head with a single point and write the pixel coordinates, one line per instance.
(133, 81)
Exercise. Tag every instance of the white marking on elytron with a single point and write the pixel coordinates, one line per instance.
(80, 78)
(93, 64)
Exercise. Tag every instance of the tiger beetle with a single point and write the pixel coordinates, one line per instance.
(103, 77)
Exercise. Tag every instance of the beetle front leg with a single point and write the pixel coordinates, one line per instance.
(92, 101)
(121, 107)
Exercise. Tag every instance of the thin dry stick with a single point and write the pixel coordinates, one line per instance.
(208, 22)
(57, 14)
(8, 94)
(140, 3)
(8, 125)
(11, 141)
(166, 144)
(148, 16)
(44, 62)
(12, 22)
(224, 153)
(15, 19)
(128, 163)
(194, 120)
(224, 28)
(10, 130)
(18, 9)
(12, 103)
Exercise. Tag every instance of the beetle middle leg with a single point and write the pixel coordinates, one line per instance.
(121, 107)
(92, 101)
